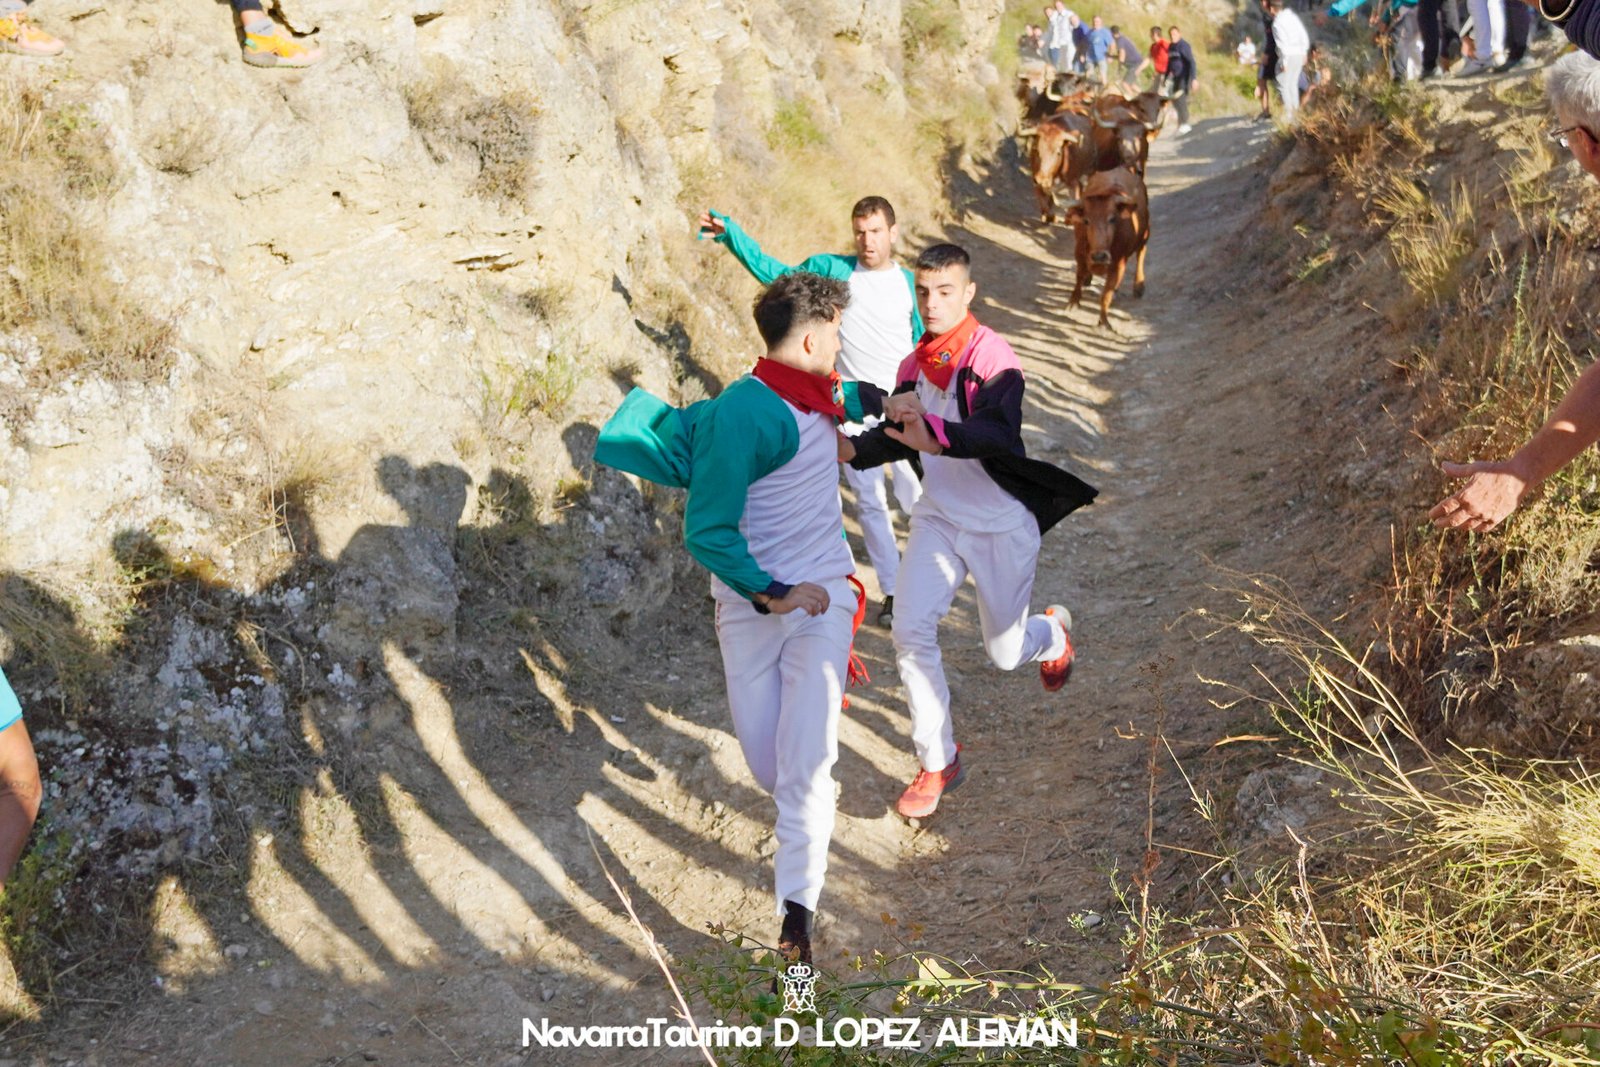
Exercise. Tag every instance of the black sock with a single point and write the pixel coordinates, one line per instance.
(796, 934)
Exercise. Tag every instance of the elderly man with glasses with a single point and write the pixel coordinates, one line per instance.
(1494, 489)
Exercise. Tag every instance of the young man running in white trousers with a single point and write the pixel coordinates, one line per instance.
(763, 516)
(880, 325)
(958, 403)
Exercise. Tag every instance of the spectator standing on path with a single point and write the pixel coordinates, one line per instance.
(1246, 52)
(1031, 47)
(1060, 36)
(1080, 46)
(20, 789)
(1519, 27)
(1399, 17)
(1495, 488)
(263, 43)
(1269, 65)
(1131, 59)
(880, 325)
(1182, 76)
(1488, 36)
(985, 505)
(1292, 43)
(1158, 58)
(1100, 46)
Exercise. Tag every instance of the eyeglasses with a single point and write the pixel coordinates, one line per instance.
(1560, 136)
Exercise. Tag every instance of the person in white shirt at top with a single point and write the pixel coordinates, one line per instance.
(881, 324)
(1059, 40)
(1246, 52)
(1293, 42)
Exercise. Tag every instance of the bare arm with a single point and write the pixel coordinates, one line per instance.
(1494, 489)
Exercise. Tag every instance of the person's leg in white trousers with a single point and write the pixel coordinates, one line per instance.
(1289, 68)
(877, 521)
(1488, 30)
(938, 558)
(786, 677)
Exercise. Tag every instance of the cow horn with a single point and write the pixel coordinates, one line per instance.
(1051, 94)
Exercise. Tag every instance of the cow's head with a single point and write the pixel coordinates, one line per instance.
(1097, 215)
(1152, 109)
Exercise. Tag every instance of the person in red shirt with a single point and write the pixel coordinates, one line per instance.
(1158, 54)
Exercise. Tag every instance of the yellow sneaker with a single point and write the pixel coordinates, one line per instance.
(274, 48)
(18, 35)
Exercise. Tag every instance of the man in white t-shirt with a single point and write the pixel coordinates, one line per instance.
(1060, 39)
(1293, 42)
(880, 326)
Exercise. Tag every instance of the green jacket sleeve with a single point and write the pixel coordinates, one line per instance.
(741, 437)
(767, 269)
(918, 327)
(861, 399)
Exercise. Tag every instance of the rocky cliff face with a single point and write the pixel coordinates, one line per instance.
(396, 294)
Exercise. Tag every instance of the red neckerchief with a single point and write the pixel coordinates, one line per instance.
(808, 392)
(936, 356)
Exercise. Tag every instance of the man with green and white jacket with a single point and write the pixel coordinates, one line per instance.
(763, 516)
(881, 325)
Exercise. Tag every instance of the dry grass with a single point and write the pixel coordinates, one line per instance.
(495, 133)
(55, 281)
(1430, 241)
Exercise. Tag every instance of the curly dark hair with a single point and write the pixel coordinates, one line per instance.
(796, 300)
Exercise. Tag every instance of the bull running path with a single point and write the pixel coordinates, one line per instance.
(489, 904)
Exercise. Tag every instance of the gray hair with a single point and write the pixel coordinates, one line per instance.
(1573, 84)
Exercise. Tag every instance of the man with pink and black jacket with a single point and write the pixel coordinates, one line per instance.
(957, 407)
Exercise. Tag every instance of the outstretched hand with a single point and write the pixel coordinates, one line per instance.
(807, 597)
(712, 226)
(916, 434)
(1492, 492)
(903, 406)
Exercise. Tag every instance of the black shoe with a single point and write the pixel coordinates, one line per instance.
(1512, 64)
(794, 941)
(886, 613)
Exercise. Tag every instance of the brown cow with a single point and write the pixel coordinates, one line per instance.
(1063, 153)
(1119, 141)
(1111, 223)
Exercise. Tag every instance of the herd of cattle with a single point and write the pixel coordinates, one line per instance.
(1094, 142)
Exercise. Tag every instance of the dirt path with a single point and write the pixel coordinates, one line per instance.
(482, 900)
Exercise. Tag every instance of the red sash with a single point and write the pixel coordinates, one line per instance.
(808, 392)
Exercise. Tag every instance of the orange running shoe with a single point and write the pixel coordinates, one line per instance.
(921, 797)
(271, 47)
(19, 36)
(1055, 672)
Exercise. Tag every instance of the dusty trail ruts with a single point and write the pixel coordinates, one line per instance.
(489, 905)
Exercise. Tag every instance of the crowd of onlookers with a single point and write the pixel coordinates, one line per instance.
(1420, 39)
(1110, 57)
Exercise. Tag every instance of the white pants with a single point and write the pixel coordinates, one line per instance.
(1289, 68)
(1407, 61)
(786, 677)
(877, 524)
(1488, 28)
(939, 556)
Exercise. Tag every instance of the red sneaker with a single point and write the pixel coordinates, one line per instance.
(1055, 672)
(921, 797)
